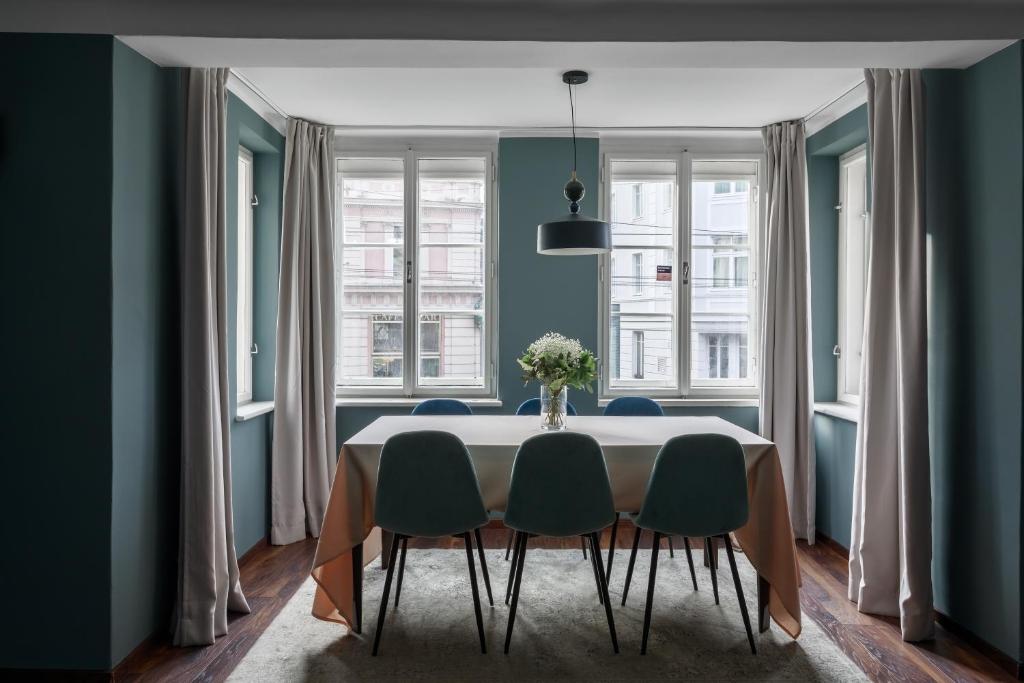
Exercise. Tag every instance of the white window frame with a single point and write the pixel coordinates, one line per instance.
(411, 153)
(682, 247)
(856, 154)
(244, 244)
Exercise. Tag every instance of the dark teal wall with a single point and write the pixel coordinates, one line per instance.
(975, 220)
(834, 438)
(538, 293)
(250, 440)
(146, 421)
(55, 416)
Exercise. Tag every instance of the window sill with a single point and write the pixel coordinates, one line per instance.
(248, 411)
(737, 402)
(383, 402)
(843, 411)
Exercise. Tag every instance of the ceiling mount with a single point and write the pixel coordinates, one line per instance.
(575, 77)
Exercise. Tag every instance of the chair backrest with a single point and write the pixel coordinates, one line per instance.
(442, 406)
(559, 486)
(531, 406)
(426, 486)
(698, 487)
(633, 405)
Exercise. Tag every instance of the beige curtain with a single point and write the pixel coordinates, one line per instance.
(890, 548)
(207, 567)
(787, 401)
(304, 458)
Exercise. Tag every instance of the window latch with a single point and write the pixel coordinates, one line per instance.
(254, 350)
(686, 272)
(408, 272)
(836, 351)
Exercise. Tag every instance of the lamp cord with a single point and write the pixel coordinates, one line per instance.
(572, 114)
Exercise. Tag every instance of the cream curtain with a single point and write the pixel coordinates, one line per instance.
(890, 549)
(787, 401)
(207, 567)
(304, 458)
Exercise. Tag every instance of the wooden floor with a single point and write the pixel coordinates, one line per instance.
(271, 575)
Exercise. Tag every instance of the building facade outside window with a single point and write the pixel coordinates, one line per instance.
(854, 227)
(243, 324)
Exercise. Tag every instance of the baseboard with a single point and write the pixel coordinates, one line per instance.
(989, 651)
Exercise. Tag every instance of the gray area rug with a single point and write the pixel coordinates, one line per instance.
(560, 631)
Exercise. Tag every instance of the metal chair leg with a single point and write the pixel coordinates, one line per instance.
(709, 548)
(739, 595)
(671, 550)
(632, 561)
(593, 565)
(650, 591)
(512, 567)
(689, 560)
(401, 570)
(583, 543)
(384, 598)
(476, 592)
(595, 551)
(520, 556)
(483, 564)
(508, 547)
(611, 549)
(357, 584)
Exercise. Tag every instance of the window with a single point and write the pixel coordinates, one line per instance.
(853, 265)
(693, 254)
(414, 244)
(638, 200)
(243, 336)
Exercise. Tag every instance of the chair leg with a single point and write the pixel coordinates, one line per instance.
(483, 565)
(593, 565)
(583, 544)
(632, 561)
(476, 592)
(739, 594)
(709, 549)
(508, 547)
(357, 585)
(671, 550)
(520, 556)
(384, 598)
(689, 560)
(595, 551)
(611, 549)
(512, 568)
(650, 591)
(401, 570)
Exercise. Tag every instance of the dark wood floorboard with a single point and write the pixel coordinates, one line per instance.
(271, 575)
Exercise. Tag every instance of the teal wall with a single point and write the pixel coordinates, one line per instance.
(834, 438)
(250, 440)
(975, 221)
(146, 125)
(55, 414)
(539, 293)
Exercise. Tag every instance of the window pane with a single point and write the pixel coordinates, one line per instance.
(721, 296)
(853, 271)
(370, 263)
(451, 266)
(642, 303)
(243, 322)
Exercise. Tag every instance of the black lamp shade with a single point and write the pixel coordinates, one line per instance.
(574, 235)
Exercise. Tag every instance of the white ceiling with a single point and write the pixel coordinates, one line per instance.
(381, 83)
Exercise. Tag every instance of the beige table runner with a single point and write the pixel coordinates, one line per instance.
(630, 445)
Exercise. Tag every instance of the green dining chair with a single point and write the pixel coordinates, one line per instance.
(559, 488)
(698, 488)
(427, 487)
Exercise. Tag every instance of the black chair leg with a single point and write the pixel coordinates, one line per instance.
(632, 561)
(689, 560)
(483, 565)
(709, 549)
(583, 543)
(595, 551)
(650, 591)
(512, 568)
(739, 594)
(401, 570)
(593, 565)
(387, 591)
(611, 548)
(508, 547)
(671, 550)
(357, 585)
(476, 592)
(520, 556)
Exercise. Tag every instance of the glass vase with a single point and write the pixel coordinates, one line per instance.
(553, 408)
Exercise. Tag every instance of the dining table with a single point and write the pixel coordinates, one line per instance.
(349, 538)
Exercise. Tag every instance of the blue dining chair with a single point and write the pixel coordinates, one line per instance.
(442, 406)
(531, 406)
(559, 488)
(698, 488)
(633, 406)
(427, 487)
